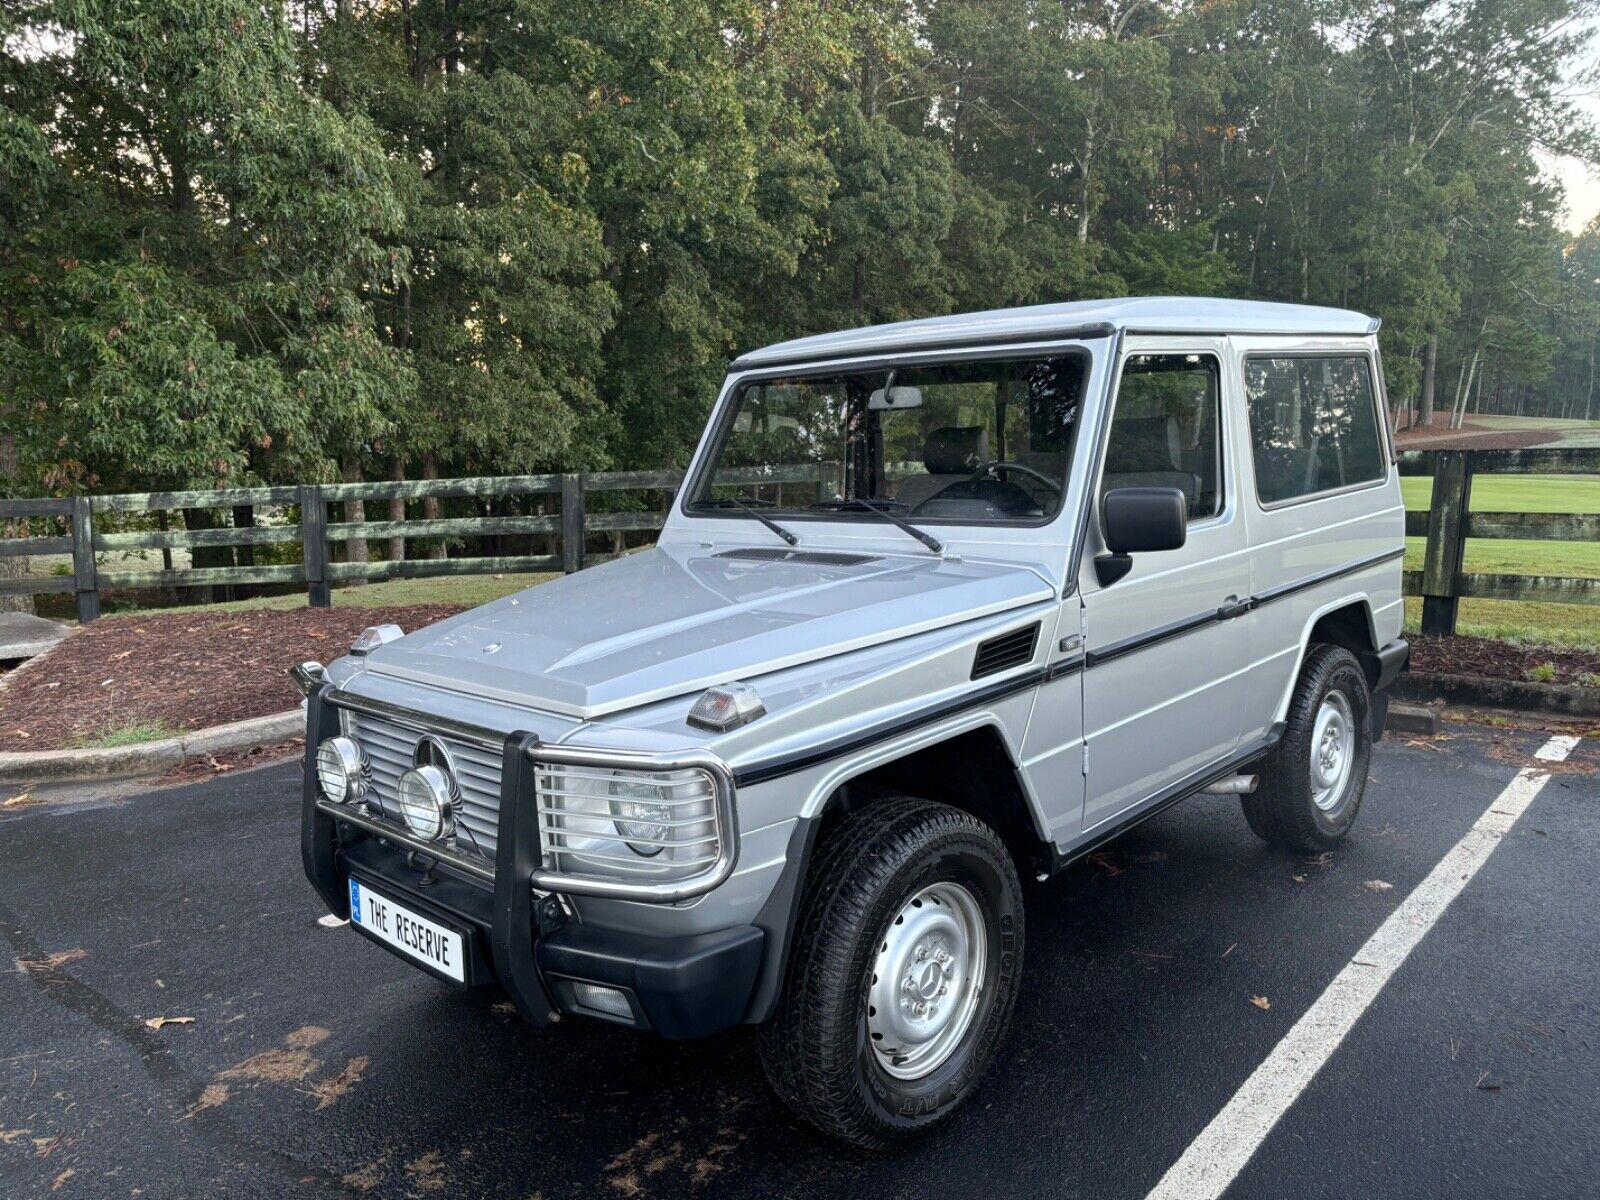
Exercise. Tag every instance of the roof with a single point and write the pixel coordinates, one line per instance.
(1079, 318)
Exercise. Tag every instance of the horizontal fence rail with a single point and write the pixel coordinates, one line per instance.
(1449, 522)
(561, 519)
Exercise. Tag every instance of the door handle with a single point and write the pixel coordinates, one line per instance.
(1233, 607)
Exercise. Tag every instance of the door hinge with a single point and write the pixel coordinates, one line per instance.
(1086, 758)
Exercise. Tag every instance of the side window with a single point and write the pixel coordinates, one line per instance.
(1165, 431)
(1313, 424)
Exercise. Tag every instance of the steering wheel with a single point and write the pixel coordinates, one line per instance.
(1001, 464)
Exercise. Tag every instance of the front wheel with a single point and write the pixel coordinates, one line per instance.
(1312, 784)
(905, 971)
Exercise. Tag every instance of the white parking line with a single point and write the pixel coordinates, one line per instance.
(1216, 1157)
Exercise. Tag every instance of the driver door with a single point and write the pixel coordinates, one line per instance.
(1165, 678)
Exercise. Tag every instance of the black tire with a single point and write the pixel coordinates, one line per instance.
(1283, 810)
(815, 1048)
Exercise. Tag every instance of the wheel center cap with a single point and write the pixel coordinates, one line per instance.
(929, 978)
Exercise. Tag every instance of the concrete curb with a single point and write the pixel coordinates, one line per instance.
(1413, 718)
(1559, 699)
(150, 758)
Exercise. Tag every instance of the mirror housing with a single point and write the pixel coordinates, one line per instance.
(1139, 520)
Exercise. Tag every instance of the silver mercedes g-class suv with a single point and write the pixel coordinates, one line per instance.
(939, 605)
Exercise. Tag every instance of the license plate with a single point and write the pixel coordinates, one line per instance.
(407, 932)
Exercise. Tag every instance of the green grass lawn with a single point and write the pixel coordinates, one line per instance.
(1561, 624)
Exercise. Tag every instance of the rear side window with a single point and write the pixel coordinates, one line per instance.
(1313, 424)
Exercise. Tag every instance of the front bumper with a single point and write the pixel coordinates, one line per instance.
(526, 942)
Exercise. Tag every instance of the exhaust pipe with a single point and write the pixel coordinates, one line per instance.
(1232, 785)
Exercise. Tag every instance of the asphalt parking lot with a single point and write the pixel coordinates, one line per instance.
(1160, 975)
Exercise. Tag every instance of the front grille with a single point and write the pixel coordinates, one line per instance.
(389, 749)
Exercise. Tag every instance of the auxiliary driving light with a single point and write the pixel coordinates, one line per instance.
(426, 800)
(342, 772)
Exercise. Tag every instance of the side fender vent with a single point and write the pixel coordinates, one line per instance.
(1006, 651)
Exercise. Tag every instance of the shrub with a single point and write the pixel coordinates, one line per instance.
(1543, 673)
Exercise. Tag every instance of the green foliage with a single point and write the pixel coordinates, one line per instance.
(355, 236)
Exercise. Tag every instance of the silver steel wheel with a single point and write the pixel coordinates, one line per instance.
(1333, 751)
(926, 981)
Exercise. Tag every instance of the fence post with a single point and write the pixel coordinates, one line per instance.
(85, 587)
(1447, 541)
(571, 523)
(314, 545)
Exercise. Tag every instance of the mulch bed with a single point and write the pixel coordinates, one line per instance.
(1439, 436)
(1498, 660)
(181, 671)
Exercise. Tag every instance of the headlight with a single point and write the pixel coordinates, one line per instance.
(641, 815)
(603, 821)
(426, 801)
(342, 772)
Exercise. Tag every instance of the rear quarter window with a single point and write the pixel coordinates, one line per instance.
(1313, 424)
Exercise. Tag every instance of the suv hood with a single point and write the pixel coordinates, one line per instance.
(667, 622)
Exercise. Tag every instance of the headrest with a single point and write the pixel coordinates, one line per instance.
(1143, 444)
(956, 451)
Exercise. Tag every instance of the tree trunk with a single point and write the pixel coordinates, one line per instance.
(355, 511)
(397, 509)
(1430, 366)
(430, 504)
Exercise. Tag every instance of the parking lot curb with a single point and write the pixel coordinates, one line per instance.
(1562, 699)
(149, 758)
(1413, 718)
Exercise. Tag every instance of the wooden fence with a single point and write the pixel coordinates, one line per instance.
(1442, 583)
(1449, 522)
(317, 570)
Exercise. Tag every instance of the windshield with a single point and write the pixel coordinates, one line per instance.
(978, 441)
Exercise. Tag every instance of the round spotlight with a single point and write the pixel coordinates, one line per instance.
(341, 770)
(426, 800)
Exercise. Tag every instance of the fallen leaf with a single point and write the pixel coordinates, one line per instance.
(21, 800)
(1298, 878)
(22, 733)
(158, 1022)
(123, 655)
(1102, 860)
(1261, 1002)
(61, 1179)
(1378, 885)
(1485, 1084)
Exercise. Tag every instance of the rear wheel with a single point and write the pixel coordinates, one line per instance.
(906, 962)
(1312, 785)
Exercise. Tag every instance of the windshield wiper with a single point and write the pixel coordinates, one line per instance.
(735, 502)
(927, 539)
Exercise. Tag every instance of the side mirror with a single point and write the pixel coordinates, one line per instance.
(1139, 520)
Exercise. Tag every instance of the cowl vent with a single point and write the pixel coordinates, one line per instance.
(1006, 651)
(816, 558)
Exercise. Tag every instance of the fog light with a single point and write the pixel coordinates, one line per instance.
(608, 1000)
(342, 772)
(426, 799)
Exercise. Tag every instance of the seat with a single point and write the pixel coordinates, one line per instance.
(1146, 452)
(950, 454)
